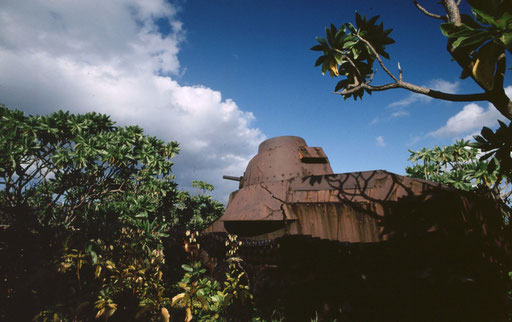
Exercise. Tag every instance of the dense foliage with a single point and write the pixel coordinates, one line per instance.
(86, 208)
(461, 166)
(456, 165)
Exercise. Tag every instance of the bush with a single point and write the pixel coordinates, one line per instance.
(85, 207)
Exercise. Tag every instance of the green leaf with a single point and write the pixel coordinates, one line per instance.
(359, 20)
(341, 84)
(506, 39)
(473, 41)
(487, 133)
(349, 44)
(322, 41)
(373, 20)
(447, 28)
(319, 61)
(339, 58)
(470, 22)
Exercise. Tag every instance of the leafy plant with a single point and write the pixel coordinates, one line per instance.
(347, 54)
(456, 165)
(85, 208)
(202, 297)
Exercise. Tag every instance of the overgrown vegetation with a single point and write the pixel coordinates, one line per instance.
(203, 298)
(86, 209)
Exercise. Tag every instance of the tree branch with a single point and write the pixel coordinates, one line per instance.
(452, 10)
(428, 13)
(414, 88)
(420, 90)
(501, 67)
(498, 97)
(377, 57)
(444, 96)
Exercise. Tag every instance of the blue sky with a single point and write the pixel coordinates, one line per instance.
(267, 69)
(221, 76)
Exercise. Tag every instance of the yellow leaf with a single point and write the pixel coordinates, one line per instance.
(110, 312)
(333, 68)
(165, 315)
(189, 315)
(177, 299)
(98, 271)
(100, 313)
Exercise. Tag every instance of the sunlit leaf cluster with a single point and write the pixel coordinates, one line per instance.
(345, 55)
(456, 165)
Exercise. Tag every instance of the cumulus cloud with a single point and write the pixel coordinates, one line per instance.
(109, 57)
(380, 141)
(436, 84)
(470, 120)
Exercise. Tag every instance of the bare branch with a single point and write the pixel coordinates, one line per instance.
(421, 90)
(445, 96)
(400, 71)
(428, 13)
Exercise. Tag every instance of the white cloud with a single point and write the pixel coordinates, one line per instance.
(395, 114)
(375, 121)
(380, 141)
(470, 120)
(108, 56)
(399, 113)
(412, 98)
(436, 84)
(444, 86)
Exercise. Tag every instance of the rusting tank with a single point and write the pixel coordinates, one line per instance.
(289, 188)
(358, 237)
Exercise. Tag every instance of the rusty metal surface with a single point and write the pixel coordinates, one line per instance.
(312, 155)
(281, 194)
(257, 202)
(278, 159)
